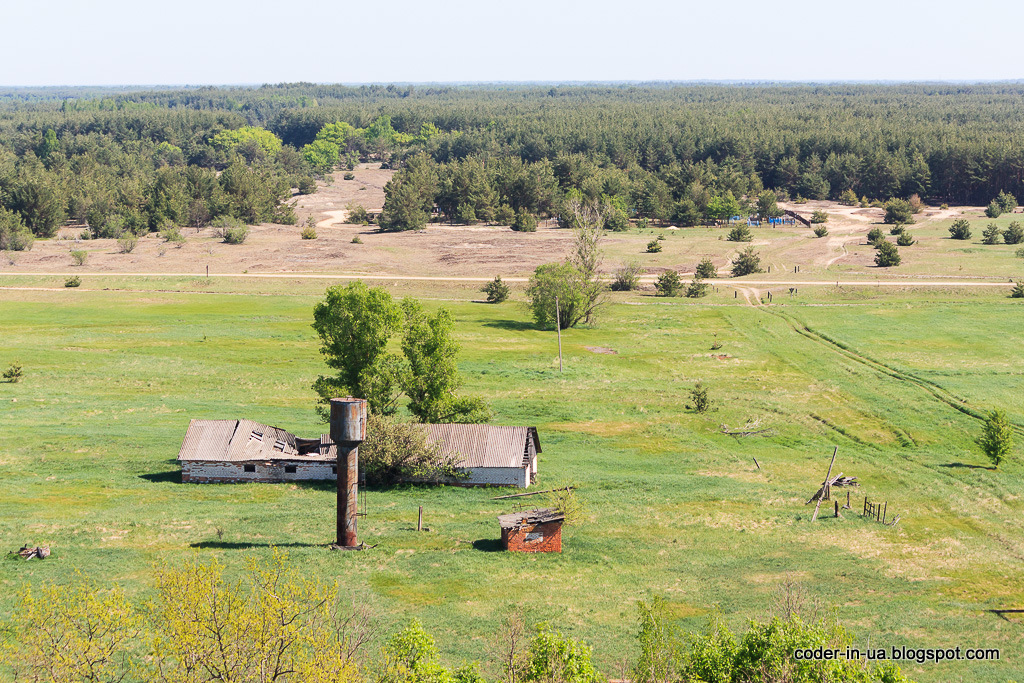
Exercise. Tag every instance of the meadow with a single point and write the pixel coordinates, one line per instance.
(675, 508)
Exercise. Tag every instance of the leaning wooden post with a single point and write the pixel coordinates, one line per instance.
(558, 330)
(884, 510)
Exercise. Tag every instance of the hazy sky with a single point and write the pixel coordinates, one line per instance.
(104, 42)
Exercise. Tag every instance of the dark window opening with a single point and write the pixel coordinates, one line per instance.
(334, 470)
(289, 469)
(250, 468)
(258, 436)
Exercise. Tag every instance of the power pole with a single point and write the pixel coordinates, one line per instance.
(558, 330)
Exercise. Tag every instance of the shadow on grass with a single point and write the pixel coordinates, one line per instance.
(970, 467)
(174, 476)
(488, 545)
(513, 325)
(246, 545)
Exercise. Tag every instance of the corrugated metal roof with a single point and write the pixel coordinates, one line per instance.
(483, 445)
(241, 441)
(514, 520)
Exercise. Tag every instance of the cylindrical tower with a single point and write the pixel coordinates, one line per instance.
(348, 430)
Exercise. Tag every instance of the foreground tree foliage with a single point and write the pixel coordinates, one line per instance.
(996, 439)
(355, 324)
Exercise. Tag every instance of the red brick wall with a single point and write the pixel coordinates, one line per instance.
(540, 538)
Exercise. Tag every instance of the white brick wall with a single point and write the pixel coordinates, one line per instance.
(231, 472)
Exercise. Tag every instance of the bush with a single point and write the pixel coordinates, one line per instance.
(875, 236)
(916, 205)
(960, 230)
(14, 373)
(308, 233)
(79, 257)
(126, 243)
(307, 185)
(1006, 201)
(627, 277)
(905, 239)
(173, 236)
(888, 255)
(14, 235)
(992, 234)
(706, 269)
(654, 246)
(236, 235)
(740, 233)
(553, 658)
(849, 197)
(820, 231)
(1014, 233)
(349, 176)
(996, 439)
(496, 291)
(1018, 291)
(398, 451)
(524, 221)
(819, 216)
(697, 288)
(897, 229)
(356, 214)
(616, 220)
(898, 211)
(746, 262)
(944, 207)
(356, 240)
(572, 288)
(669, 284)
(73, 281)
(1019, 253)
(504, 215)
(993, 210)
(701, 399)
(222, 224)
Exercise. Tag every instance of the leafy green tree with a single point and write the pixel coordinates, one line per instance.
(992, 234)
(504, 215)
(433, 378)
(875, 235)
(14, 236)
(669, 283)
(706, 269)
(49, 145)
(337, 134)
(905, 239)
(740, 233)
(960, 230)
(746, 262)
(321, 155)
(849, 198)
(996, 439)
(568, 284)
(627, 277)
(40, 205)
(697, 288)
(767, 205)
(496, 291)
(554, 657)
(354, 324)
(661, 644)
(898, 211)
(819, 216)
(685, 213)
(465, 214)
(888, 255)
(524, 221)
(1014, 233)
(993, 210)
(409, 195)
(1007, 202)
(229, 140)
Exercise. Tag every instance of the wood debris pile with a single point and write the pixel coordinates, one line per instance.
(39, 552)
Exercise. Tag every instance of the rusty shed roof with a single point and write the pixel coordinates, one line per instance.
(483, 445)
(514, 520)
(241, 441)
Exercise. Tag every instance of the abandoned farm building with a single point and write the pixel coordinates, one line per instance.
(243, 450)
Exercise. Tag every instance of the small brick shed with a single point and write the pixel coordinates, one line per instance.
(533, 531)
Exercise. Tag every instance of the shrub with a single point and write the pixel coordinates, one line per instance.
(308, 233)
(653, 247)
(746, 262)
(627, 277)
(221, 224)
(888, 255)
(642, 224)
(616, 220)
(898, 211)
(916, 205)
(992, 234)
(398, 451)
(706, 269)
(905, 239)
(897, 229)
(79, 257)
(173, 236)
(496, 291)
(1006, 201)
(848, 197)
(741, 233)
(1018, 291)
(504, 215)
(944, 207)
(14, 373)
(669, 284)
(236, 235)
(73, 281)
(1014, 233)
(349, 176)
(820, 231)
(356, 240)
(1020, 253)
(356, 214)
(126, 243)
(553, 657)
(819, 216)
(572, 289)
(701, 399)
(996, 438)
(524, 221)
(960, 230)
(307, 185)
(85, 234)
(799, 200)
(993, 210)
(697, 288)
(465, 214)
(14, 234)
(875, 236)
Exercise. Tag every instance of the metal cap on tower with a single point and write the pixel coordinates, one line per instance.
(348, 421)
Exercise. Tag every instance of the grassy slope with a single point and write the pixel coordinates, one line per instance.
(675, 508)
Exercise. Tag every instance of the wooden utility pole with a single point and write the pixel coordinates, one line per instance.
(558, 330)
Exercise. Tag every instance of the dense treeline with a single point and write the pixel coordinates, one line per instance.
(680, 153)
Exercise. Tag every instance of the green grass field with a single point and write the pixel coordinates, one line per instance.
(675, 508)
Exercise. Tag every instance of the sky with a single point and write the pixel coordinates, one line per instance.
(193, 42)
